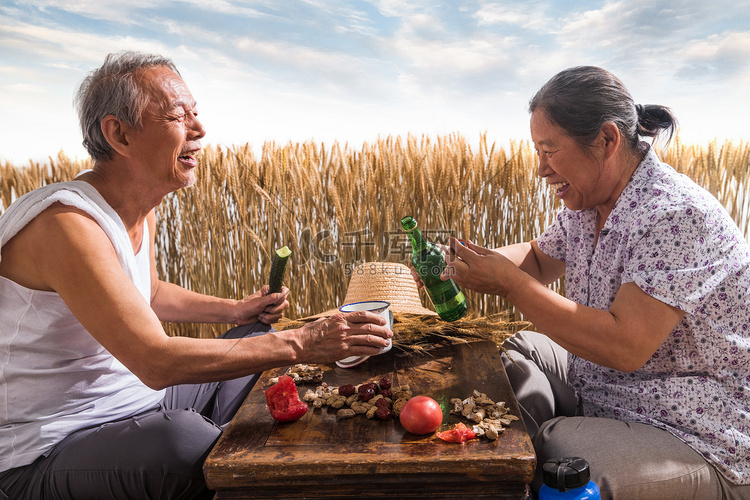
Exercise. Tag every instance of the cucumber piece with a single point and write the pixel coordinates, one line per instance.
(278, 269)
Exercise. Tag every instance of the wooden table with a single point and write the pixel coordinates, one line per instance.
(321, 456)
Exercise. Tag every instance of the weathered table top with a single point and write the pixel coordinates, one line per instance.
(322, 456)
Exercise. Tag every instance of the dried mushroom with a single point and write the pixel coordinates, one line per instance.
(490, 418)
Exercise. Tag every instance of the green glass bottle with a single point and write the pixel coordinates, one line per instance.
(429, 262)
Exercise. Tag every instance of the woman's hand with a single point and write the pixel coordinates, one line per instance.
(479, 269)
(330, 339)
(262, 306)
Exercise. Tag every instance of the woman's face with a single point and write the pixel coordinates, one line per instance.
(579, 178)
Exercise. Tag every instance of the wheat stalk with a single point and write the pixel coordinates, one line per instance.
(217, 237)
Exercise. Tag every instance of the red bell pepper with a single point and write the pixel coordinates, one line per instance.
(283, 400)
(459, 434)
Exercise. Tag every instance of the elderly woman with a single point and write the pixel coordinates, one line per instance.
(644, 369)
(96, 401)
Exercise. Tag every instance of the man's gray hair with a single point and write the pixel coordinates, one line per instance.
(113, 89)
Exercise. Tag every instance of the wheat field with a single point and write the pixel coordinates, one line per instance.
(336, 207)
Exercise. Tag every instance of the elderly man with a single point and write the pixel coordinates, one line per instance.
(96, 401)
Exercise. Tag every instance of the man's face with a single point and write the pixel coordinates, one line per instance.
(170, 133)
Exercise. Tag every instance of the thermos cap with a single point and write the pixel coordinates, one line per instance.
(564, 474)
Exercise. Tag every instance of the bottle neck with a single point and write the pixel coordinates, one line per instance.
(418, 242)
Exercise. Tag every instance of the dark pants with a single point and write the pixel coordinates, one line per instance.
(628, 460)
(157, 454)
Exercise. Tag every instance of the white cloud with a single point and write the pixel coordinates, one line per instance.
(104, 10)
(398, 8)
(527, 16)
(350, 70)
(37, 92)
(232, 9)
(434, 61)
(294, 55)
(722, 56)
(23, 88)
(40, 43)
(452, 58)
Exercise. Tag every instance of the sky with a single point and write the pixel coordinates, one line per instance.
(352, 71)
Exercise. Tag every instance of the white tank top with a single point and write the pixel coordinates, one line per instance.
(55, 378)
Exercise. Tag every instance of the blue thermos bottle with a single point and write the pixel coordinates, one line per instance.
(568, 479)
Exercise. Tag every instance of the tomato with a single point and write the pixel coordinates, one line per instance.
(421, 415)
(459, 434)
(283, 400)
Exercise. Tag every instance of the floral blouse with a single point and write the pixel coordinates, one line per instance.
(679, 245)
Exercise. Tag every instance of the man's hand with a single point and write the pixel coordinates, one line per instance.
(330, 339)
(262, 306)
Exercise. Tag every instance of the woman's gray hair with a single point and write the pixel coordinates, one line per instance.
(113, 89)
(582, 99)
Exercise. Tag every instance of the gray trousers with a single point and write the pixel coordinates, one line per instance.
(157, 454)
(628, 460)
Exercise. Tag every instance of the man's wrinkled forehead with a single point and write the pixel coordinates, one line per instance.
(165, 89)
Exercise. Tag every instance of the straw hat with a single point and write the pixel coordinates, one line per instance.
(387, 281)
